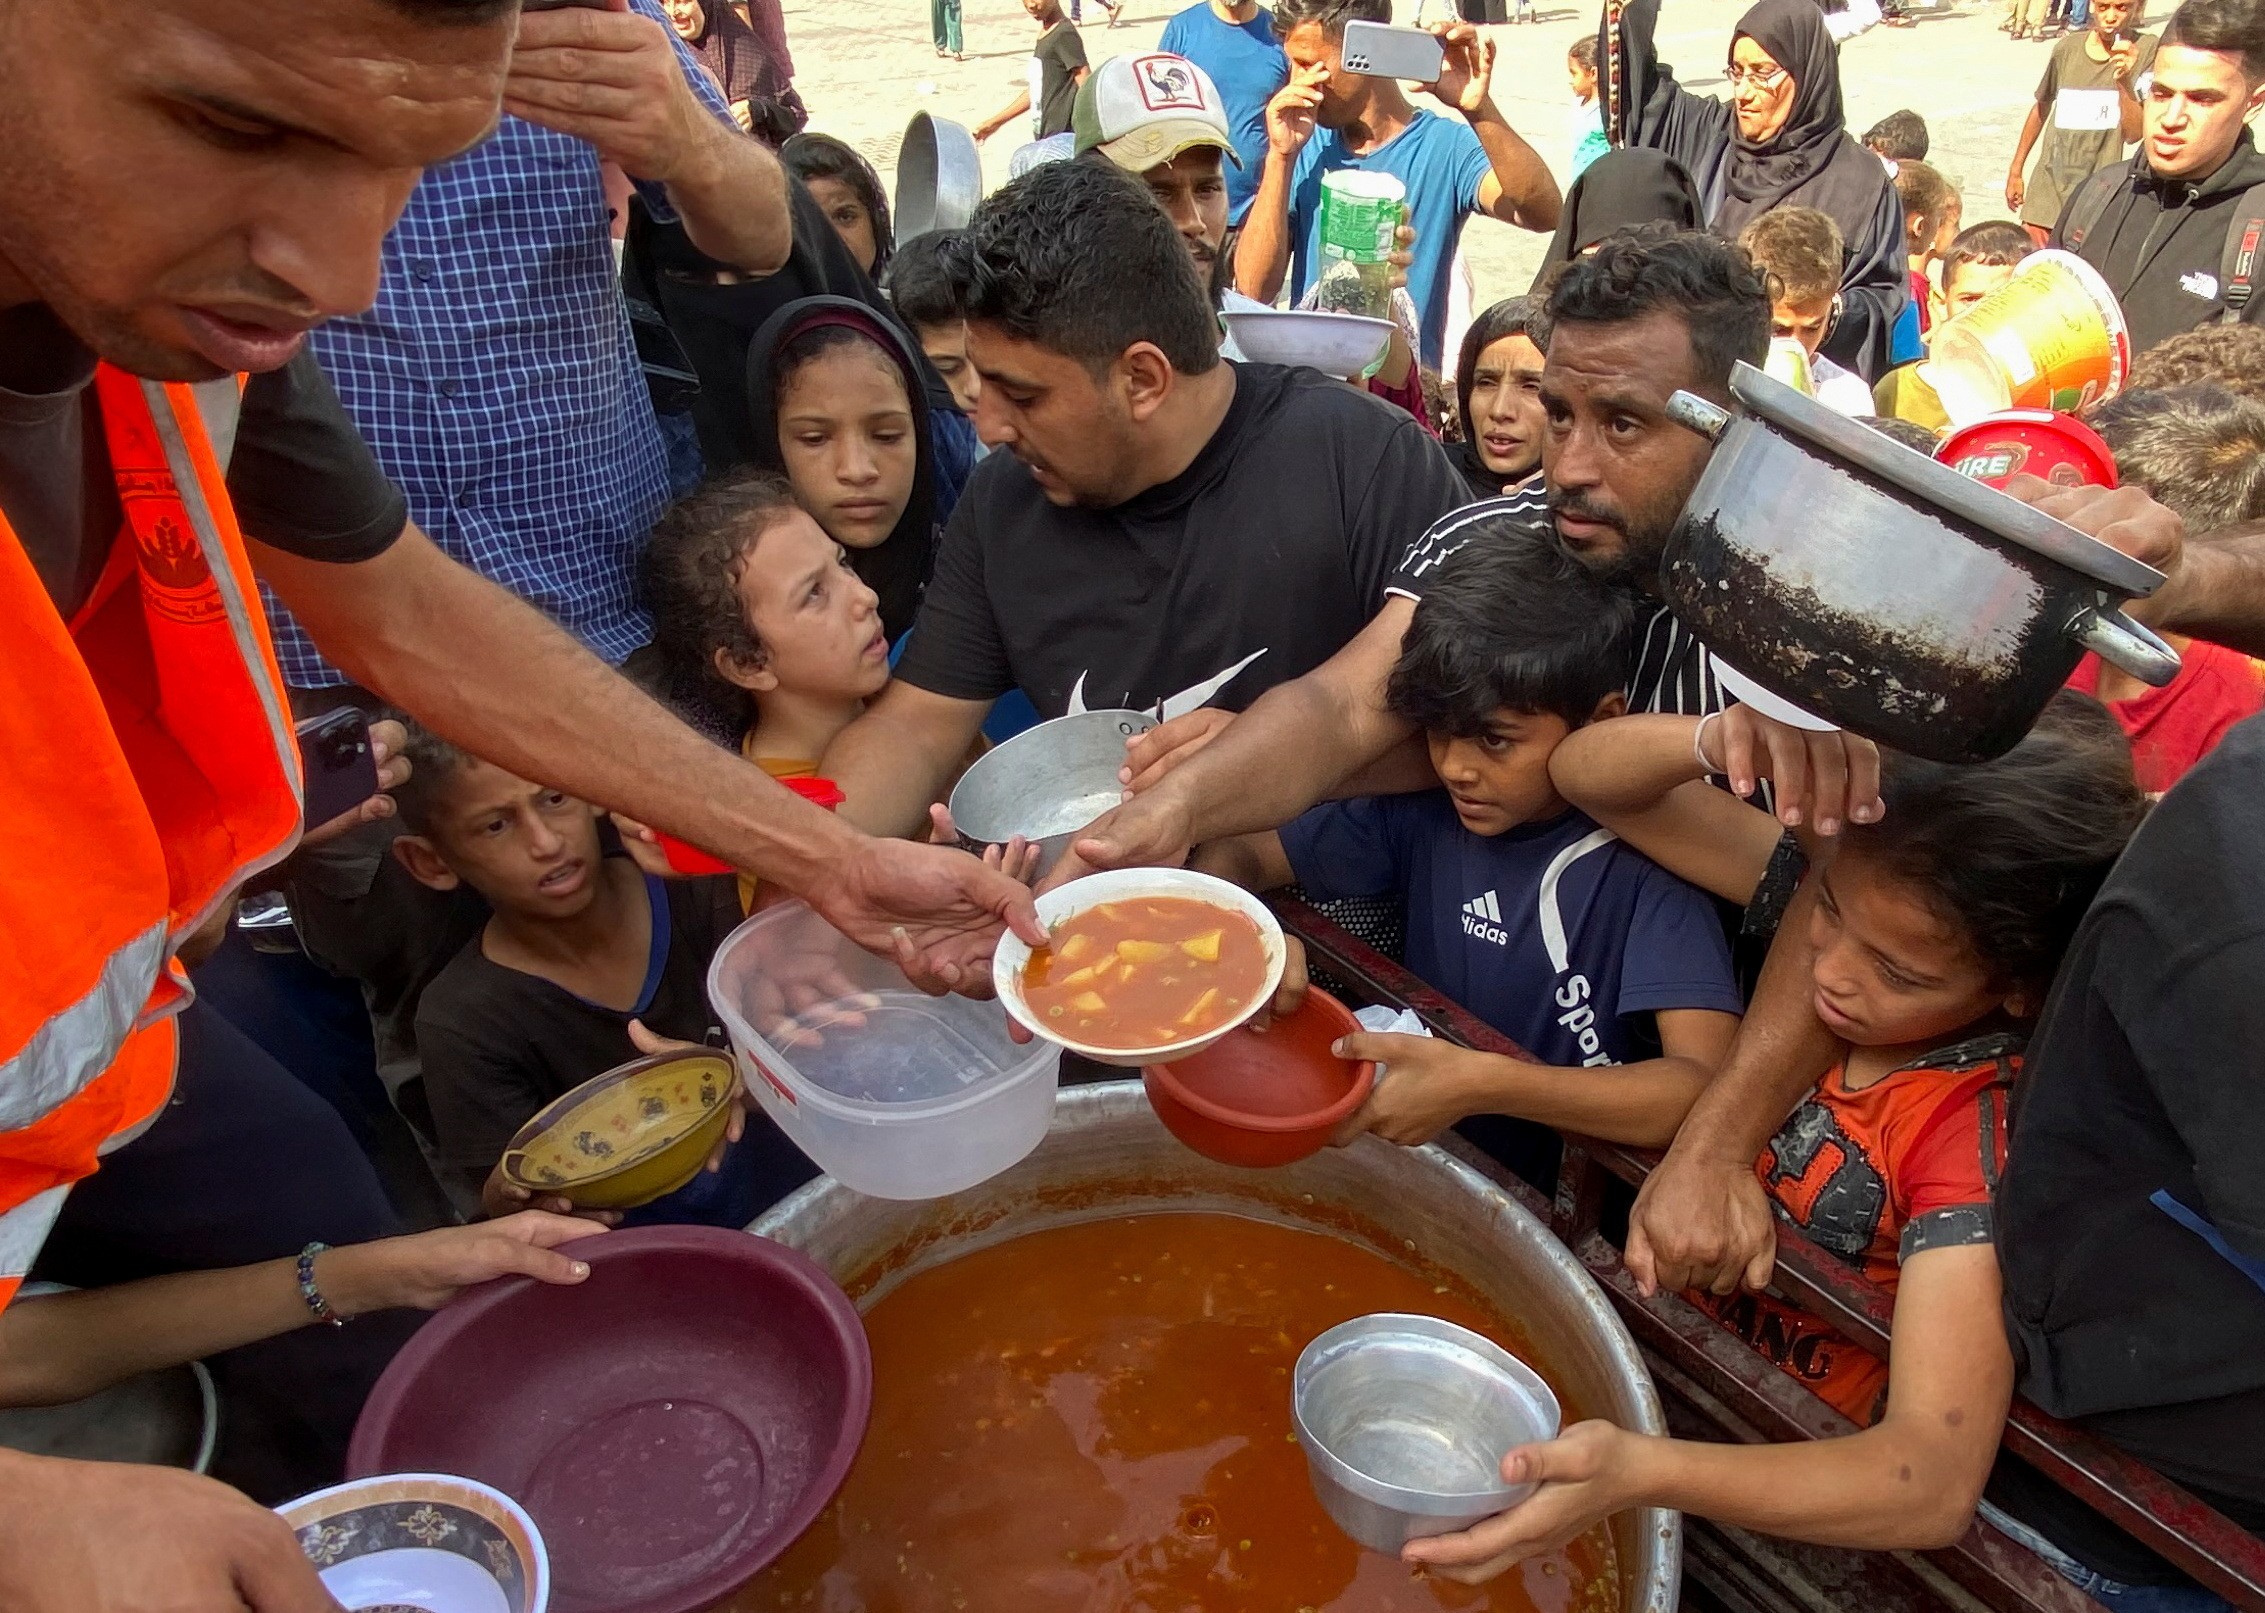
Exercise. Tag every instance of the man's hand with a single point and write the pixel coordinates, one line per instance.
(110, 1537)
(1584, 1478)
(387, 738)
(611, 78)
(1823, 777)
(2016, 188)
(936, 910)
(1701, 1223)
(1289, 116)
(1424, 1088)
(2123, 56)
(2123, 518)
(1154, 752)
(1466, 74)
(1152, 830)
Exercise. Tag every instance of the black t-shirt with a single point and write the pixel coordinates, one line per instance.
(1250, 568)
(301, 478)
(498, 1044)
(1054, 64)
(2143, 1079)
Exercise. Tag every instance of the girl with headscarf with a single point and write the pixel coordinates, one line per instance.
(836, 399)
(846, 186)
(1782, 138)
(1628, 186)
(1498, 398)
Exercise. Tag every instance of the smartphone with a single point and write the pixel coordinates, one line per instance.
(338, 763)
(1381, 51)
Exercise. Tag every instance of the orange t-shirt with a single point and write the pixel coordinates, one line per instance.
(777, 767)
(1875, 1176)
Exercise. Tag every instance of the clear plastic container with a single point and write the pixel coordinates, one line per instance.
(892, 1092)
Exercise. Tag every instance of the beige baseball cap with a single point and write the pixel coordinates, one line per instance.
(1142, 110)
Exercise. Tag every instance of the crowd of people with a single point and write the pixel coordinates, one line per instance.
(621, 472)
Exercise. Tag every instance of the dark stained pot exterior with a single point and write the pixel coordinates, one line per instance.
(1883, 591)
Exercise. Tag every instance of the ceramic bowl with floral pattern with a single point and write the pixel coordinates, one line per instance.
(422, 1543)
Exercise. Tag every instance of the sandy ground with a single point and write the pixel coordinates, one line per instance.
(866, 66)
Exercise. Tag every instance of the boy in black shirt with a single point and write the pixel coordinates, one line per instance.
(581, 945)
(1057, 68)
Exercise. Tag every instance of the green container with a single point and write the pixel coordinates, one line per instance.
(1360, 223)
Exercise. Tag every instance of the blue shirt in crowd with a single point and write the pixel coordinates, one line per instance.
(1442, 164)
(1556, 934)
(497, 382)
(1245, 60)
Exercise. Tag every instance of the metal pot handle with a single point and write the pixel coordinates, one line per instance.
(2121, 642)
(1688, 409)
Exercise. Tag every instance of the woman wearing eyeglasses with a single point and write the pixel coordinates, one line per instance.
(1781, 139)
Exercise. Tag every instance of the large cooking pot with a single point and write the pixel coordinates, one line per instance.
(1867, 583)
(939, 177)
(1107, 1155)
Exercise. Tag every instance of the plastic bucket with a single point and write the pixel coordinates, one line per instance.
(892, 1092)
(2030, 442)
(2052, 337)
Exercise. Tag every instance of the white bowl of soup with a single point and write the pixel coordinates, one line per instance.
(1147, 965)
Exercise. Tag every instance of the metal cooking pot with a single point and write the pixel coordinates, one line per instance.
(1867, 583)
(1047, 783)
(1107, 1155)
(939, 177)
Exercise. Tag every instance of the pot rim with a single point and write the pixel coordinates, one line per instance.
(1815, 425)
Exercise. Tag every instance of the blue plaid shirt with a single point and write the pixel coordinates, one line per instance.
(497, 382)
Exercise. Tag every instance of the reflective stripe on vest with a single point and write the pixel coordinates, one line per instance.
(77, 1044)
(24, 1228)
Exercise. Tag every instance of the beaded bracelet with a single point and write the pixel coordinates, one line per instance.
(316, 1304)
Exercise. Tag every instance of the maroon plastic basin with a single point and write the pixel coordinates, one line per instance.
(671, 1424)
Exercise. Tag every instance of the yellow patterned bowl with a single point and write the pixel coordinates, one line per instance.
(629, 1136)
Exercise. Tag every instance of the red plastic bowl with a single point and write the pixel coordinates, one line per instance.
(1266, 1097)
(672, 1423)
(2030, 442)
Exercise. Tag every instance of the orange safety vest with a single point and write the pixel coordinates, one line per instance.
(147, 766)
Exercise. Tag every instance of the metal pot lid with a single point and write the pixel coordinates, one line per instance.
(1929, 480)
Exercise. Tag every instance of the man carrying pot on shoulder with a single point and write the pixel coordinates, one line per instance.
(1649, 313)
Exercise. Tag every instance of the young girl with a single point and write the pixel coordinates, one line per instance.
(767, 636)
(1935, 937)
(838, 407)
(846, 187)
(1498, 398)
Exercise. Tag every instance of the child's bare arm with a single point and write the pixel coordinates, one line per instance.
(1909, 1482)
(1256, 862)
(1430, 1084)
(1004, 116)
(1639, 777)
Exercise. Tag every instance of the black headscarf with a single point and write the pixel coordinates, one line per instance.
(1628, 185)
(1512, 316)
(897, 568)
(1813, 160)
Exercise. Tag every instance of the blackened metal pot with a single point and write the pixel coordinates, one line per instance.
(1867, 583)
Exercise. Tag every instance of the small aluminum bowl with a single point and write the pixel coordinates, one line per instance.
(1405, 1421)
(1047, 783)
